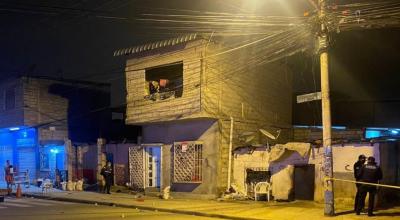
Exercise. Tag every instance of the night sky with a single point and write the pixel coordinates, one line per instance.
(76, 39)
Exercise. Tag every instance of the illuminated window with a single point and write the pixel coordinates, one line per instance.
(164, 81)
(382, 133)
(10, 98)
(187, 164)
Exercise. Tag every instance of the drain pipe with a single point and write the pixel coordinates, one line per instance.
(230, 156)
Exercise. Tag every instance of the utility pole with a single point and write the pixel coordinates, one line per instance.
(323, 45)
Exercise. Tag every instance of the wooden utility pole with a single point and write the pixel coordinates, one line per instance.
(323, 44)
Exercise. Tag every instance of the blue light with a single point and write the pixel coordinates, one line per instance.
(14, 129)
(54, 151)
(319, 127)
(394, 131)
(372, 133)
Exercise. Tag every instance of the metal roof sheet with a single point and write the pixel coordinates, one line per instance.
(155, 45)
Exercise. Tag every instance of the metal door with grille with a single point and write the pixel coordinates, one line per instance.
(136, 167)
(187, 162)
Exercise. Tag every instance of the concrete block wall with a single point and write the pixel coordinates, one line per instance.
(239, 127)
(343, 159)
(244, 159)
(46, 134)
(233, 87)
(40, 107)
(11, 117)
(256, 96)
(140, 110)
(205, 131)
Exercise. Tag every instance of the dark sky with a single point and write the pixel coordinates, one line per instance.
(364, 80)
(76, 39)
(73, 39)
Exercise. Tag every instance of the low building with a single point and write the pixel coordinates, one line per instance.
(296, 169)
(41, 118)
(196, 100)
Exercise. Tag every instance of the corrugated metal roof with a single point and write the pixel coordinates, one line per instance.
(155, 45)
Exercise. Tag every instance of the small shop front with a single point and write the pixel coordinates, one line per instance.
(18, 145)
(52, 163)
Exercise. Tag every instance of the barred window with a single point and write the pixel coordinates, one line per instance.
(187, 164)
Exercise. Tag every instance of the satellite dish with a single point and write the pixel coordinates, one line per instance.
(269, 135)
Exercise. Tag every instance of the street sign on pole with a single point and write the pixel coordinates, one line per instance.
(309, 97)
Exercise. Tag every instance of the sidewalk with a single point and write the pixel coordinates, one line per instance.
(213, 208)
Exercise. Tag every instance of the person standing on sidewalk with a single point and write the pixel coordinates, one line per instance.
(9, 172)
(369, 173)
(356, 168)
(107, 173)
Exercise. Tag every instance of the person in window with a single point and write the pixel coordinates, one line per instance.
(107, 173)
(154, 87)
(9, 172)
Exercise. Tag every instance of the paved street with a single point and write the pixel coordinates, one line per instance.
(28, 208)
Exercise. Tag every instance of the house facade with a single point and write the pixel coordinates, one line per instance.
(41, 118)
(197, 102)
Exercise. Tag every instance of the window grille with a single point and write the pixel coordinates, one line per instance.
(136, 167)
(187, 164)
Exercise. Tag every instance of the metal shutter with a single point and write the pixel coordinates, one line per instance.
(27, 160)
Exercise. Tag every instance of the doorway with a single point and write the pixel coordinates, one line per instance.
(152, 167)
(52, 160)
(304, 181)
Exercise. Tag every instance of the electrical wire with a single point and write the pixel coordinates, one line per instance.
(275, 48)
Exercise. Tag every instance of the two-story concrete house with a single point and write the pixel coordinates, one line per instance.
(40, 116)
(197, 100)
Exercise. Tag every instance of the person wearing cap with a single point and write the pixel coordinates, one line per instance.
(356, 168)
(369, 173)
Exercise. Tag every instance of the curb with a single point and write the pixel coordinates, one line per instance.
(148, 208)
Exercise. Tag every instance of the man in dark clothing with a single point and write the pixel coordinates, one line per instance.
(356, 168)
(107, 173)
(369, 173)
